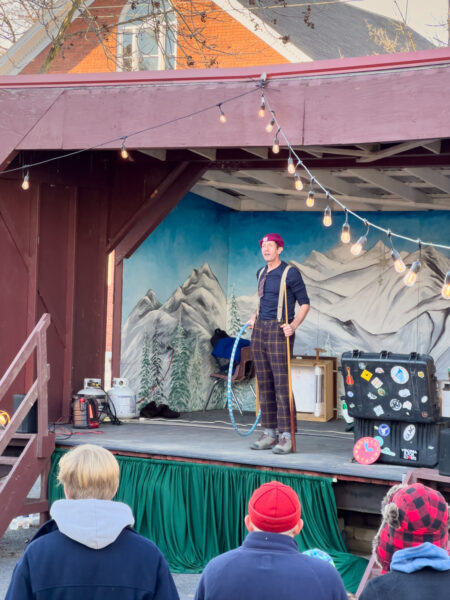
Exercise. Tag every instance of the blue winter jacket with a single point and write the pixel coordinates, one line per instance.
(268, 566)
(89, 552)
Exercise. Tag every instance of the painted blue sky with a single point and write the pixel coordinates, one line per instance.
(199, 231)
(195, 232)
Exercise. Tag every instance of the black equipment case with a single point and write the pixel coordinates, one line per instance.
(397, 387)
(403, 443)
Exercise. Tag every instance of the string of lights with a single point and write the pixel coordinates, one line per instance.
(411, 276)
(293, 163)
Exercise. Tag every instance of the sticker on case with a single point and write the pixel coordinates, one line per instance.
(349, 378)
(378, 410)
(384, 429)
(379, 370)
(409, 432)
(387, 451)
(421, 374)
(362, 365)
(424, 414)
(382, 392)
(407, 405)
(371, 396)
(377, 383)
(379, 439)
(367, 375)
(424, 399)
(399, 374)
(404, 393)
(395, 404)
(350, 394)
(409, 454)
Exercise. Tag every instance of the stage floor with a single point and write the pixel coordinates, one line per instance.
(322, 448)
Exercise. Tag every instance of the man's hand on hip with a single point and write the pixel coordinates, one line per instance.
(287, 329)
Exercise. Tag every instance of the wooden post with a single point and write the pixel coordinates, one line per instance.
(291, 396)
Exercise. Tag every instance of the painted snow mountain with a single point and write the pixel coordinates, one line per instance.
(362, 303)
(199, 305)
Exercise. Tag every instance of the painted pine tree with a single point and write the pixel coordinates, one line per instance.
(144, 375)
(156, 369)
(234, 318)
(197, 378)
(179, 395)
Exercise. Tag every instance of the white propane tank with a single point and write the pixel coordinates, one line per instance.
(122, 398)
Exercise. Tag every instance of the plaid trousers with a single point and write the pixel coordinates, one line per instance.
(271, 367)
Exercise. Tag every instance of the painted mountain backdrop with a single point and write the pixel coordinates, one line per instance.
(355, 303)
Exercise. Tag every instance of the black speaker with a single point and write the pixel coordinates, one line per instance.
(444, 453)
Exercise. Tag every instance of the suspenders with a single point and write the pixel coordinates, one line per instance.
(280, 293)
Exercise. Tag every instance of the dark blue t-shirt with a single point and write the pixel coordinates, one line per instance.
(296, 291)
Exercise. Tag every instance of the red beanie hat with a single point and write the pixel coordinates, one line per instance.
(272, 237)
(412, 514)
(274, 507)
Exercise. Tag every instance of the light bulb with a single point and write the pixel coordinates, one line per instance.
(411, 276)
(356, 249)
(222, 117)
(345, 233)
(262, 109)
(124, 152)
(270, 125)
(298, 183)
(276, 146)
(310, 199)
(327, 220)
(291, 168)
(446, 287)
(26, 181)
(399, 265)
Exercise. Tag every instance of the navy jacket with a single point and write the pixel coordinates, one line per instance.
(56, 567)
(268, 566)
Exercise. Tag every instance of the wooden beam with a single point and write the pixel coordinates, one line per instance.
(172, 176)
(338, 150)
(259, 152)
(117, 319)
(395, 149)
(431, 176)
(217, 196)
(392, 185)
(334, 182)
(159, 153)
(209, 153)
(157, 207)
(269, 177)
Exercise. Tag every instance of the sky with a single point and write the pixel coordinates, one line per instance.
(427, 17)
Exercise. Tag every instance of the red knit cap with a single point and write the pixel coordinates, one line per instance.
(274, 507)
(412, 514)
(272, 237)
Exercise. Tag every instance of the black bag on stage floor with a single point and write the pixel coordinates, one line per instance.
(399, 387)
(415, 444)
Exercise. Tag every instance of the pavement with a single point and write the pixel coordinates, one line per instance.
(14, 542)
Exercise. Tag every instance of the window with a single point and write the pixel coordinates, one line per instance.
(146, 41)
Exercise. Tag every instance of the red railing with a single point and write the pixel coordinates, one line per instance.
(35, 448)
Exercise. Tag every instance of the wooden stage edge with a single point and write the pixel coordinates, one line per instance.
(323, 449)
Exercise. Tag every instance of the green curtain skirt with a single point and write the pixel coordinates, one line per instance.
(193, 512)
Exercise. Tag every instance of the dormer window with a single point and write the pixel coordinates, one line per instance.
(147, 37)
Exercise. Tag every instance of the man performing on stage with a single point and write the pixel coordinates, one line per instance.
(269, 347)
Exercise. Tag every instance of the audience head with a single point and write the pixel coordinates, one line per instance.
(89, 471)
(275, 508)
(412, 515)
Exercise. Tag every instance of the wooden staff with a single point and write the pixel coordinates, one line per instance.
(291, 396)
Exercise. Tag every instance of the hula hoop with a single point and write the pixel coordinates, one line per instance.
(230, 375)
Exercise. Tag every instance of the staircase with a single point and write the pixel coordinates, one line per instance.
(26, 456)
